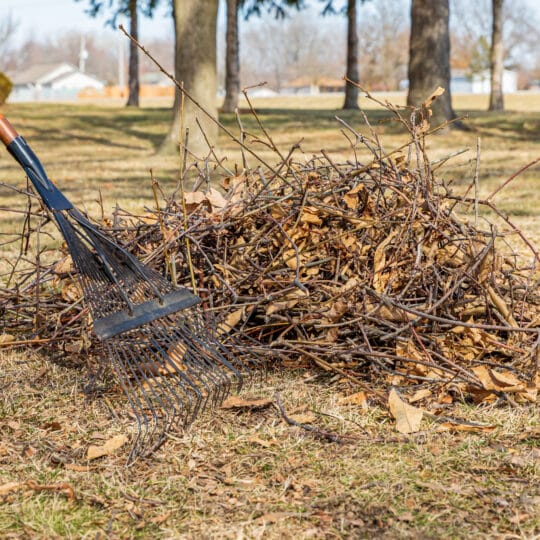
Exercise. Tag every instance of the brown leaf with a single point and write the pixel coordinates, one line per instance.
(408, 418)
(64, 266)
(6, 338)
(470, 427)
(235, 402)
(107, 449)
(5, 489)
(303, 418)
(360, 398)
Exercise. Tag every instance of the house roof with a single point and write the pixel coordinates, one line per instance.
(37, 72)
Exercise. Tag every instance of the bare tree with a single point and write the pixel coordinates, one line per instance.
(496, 102)
(351, 90)
(278, 51)
(429, 57)
(232, 58)
(133, 71)
(8, 29)
(129, 8)
(195, 65)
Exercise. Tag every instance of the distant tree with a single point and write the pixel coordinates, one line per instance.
(8, 29)
(195, 23)
(351, 10)
(276, 51)
(232, 59)
(479, 56)
(429, 57)
(130, 9)
(496, 102)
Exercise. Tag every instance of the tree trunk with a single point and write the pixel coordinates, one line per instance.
(351, 91)
(133, 76)
(429, 57)
(232, 74)
(195, 66)
(496, 101)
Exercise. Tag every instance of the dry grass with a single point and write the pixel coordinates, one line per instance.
(249, 474)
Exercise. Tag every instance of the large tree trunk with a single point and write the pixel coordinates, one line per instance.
(195, 66)
(351, 91)
(232, 74)
(496, 102)
(133, 97)
(429, 57)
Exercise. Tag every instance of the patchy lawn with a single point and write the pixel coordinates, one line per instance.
(248, 473)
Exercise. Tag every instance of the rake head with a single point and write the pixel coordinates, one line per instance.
(162, 345)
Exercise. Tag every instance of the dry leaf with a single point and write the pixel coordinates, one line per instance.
(235, 402)
(408, 418)
(303, 418)
(107, 449)
(360, 398)
(6, 338)
(5, 489)
(465, 426)
(64, 266)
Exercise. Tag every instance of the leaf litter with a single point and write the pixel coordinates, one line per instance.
(368, 269)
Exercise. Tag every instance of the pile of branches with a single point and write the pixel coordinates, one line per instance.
(366, 269)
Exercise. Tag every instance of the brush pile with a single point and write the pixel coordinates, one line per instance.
(365, 269)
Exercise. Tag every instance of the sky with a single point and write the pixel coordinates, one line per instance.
(43, 17)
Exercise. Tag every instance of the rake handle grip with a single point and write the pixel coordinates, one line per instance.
(7, 132)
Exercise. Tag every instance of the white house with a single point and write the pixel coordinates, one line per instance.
(51, 82)
(481, 82)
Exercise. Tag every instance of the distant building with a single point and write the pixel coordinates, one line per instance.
(462, 82)
(51, 82)
(312, 87)
(480, 83)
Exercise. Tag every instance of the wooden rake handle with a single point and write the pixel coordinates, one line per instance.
(7, 131)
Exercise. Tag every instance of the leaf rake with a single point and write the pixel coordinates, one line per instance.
(162, 345)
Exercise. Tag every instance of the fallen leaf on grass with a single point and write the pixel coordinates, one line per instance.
(408, 418)
(5, 489)
(6, 338)
(107, 449)
(234, 402)
(261, 442)
(360, 398)
(63, 487)
(303, 418)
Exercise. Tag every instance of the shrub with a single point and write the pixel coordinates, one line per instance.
(5, 87)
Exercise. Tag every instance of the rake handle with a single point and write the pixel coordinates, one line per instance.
(7, 132)
(25, 157)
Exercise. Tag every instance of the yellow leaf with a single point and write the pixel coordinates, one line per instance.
(107, 449)
(408, 418)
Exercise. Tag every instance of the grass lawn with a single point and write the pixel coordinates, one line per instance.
(247, 474)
